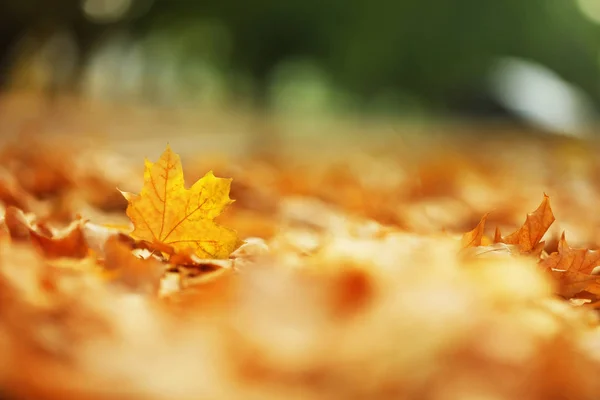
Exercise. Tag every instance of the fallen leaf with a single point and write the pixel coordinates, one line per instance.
(192, 260)
(139, 274)
(18, 223)
(493, 250)
(97, 235)
(497, 236)
(70, 242)
(67, 242)
(252, 247)
(167, 213)
(574, 269)
(473, 238)
(528, 237)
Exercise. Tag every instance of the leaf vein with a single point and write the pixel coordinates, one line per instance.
(188, 215)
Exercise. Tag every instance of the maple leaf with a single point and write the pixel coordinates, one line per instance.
(167, 214)
(574, 269)
(528, 237)
(473, 238)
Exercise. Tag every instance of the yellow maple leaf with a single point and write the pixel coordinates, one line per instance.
(166, 213)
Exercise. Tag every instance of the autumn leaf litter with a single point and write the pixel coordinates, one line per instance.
(331, 292)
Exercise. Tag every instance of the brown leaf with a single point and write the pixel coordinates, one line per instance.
(192, 260)
(537, 250)
(156, 248)
(17, 223)
(528, 237)
(497, 236)
(68, 242)
(573, 268)
(473, 238)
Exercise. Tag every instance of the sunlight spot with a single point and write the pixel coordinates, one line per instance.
(105, 11)
(541, 96)
(591, 9)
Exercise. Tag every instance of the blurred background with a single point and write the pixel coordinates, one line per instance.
(534, 62)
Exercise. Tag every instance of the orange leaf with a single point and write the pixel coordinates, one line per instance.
(18, 224)
(166, 213)
(136, 273)
(473, 238)
(528, 237)
(68, 242)
(573, 269)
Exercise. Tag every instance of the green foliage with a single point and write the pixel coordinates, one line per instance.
(431, 52)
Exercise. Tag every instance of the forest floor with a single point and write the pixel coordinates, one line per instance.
(375, 259)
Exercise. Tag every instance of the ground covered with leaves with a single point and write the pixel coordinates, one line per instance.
(440, 268)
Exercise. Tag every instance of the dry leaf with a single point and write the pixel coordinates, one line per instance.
(167, 213)
(97, 235)
(191, 260)
(493, 250)
(329, 290)
(573, 268)
(142, 275)
(528, 237)
(18, 223)
(68, 242)
(473, 238)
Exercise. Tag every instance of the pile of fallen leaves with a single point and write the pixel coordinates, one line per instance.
(351, 278)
